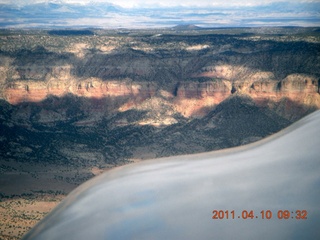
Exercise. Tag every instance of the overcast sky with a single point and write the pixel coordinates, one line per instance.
(139, 3)
(203, 13)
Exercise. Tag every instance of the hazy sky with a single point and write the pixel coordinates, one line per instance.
(133, 3)
(204, 13)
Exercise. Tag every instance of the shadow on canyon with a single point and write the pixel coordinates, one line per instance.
(169, 62)
(64, 130)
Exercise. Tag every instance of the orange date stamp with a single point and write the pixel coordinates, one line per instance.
(264, 214)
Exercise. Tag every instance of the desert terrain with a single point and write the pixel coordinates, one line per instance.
(74, 104)
(263, 190)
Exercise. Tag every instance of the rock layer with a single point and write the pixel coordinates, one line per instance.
(195, 72)
(190, 98)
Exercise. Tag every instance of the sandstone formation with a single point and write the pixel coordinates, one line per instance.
(197, 72)
(72, 107)
(189, 97)
(143, 95)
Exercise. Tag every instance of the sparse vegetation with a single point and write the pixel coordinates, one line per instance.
(54, 144)
(19, 213)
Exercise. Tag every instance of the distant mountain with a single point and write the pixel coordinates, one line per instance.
(182, 27)
(59, 14)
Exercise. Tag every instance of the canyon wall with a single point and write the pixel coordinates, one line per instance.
(190, 98)
(108, 99)
(192, 74)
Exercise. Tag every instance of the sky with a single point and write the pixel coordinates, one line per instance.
(150, 13)
(141, 3)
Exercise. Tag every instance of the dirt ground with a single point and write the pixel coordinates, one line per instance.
(20, 214)
(29, 191)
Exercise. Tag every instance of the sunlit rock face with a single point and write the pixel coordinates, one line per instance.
(189, 98)
(174, 198)
(32, 91)
(198, 71)
(144, 94)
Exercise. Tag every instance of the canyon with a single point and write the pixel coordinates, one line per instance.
(139, 86)
(126, 90)
(73, 106)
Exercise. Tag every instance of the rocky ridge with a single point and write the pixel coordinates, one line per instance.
(73, 106)
(116, 93)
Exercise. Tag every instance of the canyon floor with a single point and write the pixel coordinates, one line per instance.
(74, 104)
